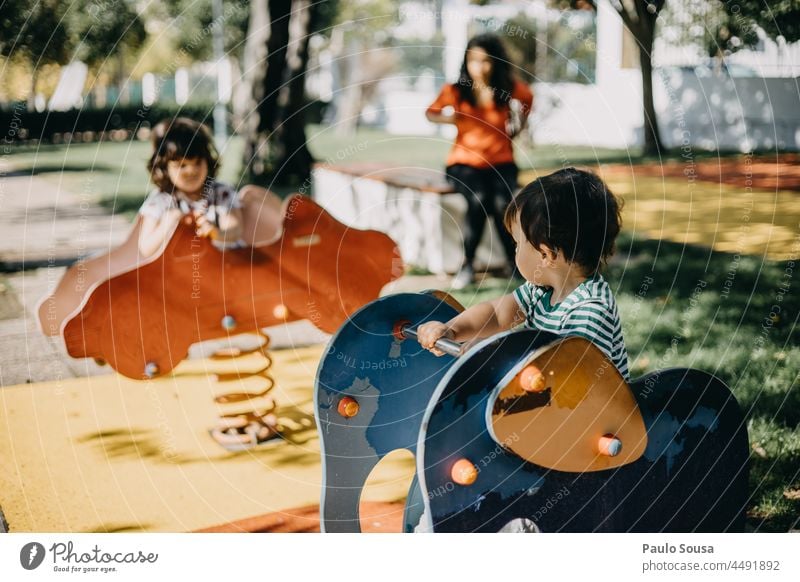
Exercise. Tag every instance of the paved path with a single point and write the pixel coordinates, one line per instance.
(43, 227)
(43, 224)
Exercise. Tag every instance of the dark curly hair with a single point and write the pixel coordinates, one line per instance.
(501, 79)
(177, 139)
(572, 212)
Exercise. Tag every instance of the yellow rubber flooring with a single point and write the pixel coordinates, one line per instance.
(107, 454)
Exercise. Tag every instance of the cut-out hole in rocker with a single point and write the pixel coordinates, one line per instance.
(387, 485)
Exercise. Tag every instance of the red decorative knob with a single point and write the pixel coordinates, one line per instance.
(397, 329)
(464, 472)
(348, 407)
(532, 379)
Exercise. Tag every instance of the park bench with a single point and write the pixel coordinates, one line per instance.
(415, 206)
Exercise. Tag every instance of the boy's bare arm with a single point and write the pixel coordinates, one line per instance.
(479, 321)
(486, 319)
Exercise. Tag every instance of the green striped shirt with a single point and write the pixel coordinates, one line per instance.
(589, 312)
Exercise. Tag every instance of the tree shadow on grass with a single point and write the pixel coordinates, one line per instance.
(734, 316)
(125, 204)
(39, 169)
(739, 290)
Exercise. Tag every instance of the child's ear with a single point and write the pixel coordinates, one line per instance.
(548, 254)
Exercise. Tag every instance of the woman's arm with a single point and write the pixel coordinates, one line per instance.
(446, 100)
(440, 117)
(523, 94)
(156, 232)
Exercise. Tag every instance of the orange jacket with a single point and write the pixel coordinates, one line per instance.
(482, 140)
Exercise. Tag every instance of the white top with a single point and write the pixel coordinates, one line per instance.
(218, 199)
(589, 311)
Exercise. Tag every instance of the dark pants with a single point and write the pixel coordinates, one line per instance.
(488, 191)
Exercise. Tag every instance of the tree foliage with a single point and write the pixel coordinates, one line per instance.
(779, 18)
(34, 31)
(193, 21)
(102, 29)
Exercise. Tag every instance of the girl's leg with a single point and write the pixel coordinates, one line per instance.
(471, 183)
(502, 184)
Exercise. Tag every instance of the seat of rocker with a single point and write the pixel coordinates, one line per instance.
(141, 314)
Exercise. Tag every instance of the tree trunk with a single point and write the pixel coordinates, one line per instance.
(640, 18)
(350, 101)
(652, 135)
(293, 160)
(253, 75)
(267, 74)
(32, 94)
(275, 149)
(123, 83)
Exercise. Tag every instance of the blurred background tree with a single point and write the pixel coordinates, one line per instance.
(778, 19)
(192, 21)
(275, 62)
(106, 32)
(362, 48)
(33, 34)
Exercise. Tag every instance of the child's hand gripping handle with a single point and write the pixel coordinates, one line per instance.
(448, 346)
(202, 225)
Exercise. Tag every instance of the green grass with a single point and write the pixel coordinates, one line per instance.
(114, 172)
(711, 311)
(371, 145)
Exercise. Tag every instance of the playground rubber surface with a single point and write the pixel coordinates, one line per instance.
(108, 454)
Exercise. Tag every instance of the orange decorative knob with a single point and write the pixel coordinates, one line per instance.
(464, 472)
(280, 311)
(609, 445)
(348, 407)
(532, 379)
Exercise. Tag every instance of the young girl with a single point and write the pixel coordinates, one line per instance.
(564, 226)
(489, 108)
(183, 167)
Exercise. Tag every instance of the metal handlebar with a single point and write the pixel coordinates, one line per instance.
(448, 346)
